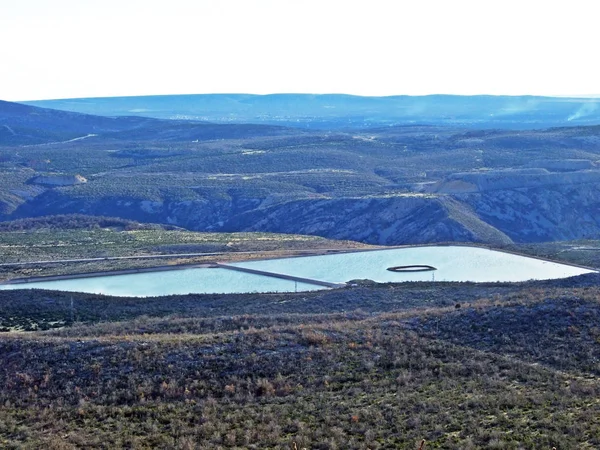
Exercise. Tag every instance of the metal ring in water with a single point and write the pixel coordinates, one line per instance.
(413, 268)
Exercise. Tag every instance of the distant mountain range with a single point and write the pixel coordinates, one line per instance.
(337, 111)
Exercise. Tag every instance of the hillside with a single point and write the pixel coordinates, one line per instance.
(463, 366)
(393, 185)
(29, 125)
(21, 124)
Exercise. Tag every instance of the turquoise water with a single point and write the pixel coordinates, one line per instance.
(172, 282)
(454, 263)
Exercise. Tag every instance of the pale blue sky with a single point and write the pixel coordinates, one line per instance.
(86, 48)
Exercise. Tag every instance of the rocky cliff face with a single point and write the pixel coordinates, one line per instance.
(522, 214)
(496, 207)
(401, 219)
(201, 214)
(380, 220)
(558, 212)
(567, 210)
(534, 204)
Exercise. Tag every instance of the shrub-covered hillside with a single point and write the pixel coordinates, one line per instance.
(461, 366)
(389, 185)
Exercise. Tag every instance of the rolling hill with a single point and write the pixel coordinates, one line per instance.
(29, 125)
(461, 365)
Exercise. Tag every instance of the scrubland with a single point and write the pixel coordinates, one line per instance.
(383, 366)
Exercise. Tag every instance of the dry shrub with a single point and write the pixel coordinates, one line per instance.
(315, 337)
(264, 388)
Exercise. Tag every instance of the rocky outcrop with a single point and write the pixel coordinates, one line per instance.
(379, 220)
(531, 204)
(57, 180)
(409, 219)
(200, 214)
(546, 212)
(559, 212)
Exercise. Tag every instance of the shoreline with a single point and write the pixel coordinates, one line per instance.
(217, 264)
(165, 268)
(108, 273)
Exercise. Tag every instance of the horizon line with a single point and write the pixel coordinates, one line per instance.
(561, 96)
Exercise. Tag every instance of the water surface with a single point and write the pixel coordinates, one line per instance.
(172, 282)
(454, 263)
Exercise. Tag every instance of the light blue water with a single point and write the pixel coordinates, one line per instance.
(172, 282)
(454, 263)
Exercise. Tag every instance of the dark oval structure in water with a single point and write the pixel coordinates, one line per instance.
(413, 268)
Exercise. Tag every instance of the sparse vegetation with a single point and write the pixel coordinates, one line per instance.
(77, 237)
(224, 177)
(368, 367)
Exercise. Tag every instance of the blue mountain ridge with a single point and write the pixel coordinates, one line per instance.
(338, 111)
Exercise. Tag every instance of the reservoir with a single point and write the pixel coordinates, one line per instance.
(453, 263)
(171, 282)
(447, 263)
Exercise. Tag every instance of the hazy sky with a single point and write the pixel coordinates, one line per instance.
(87, 48)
